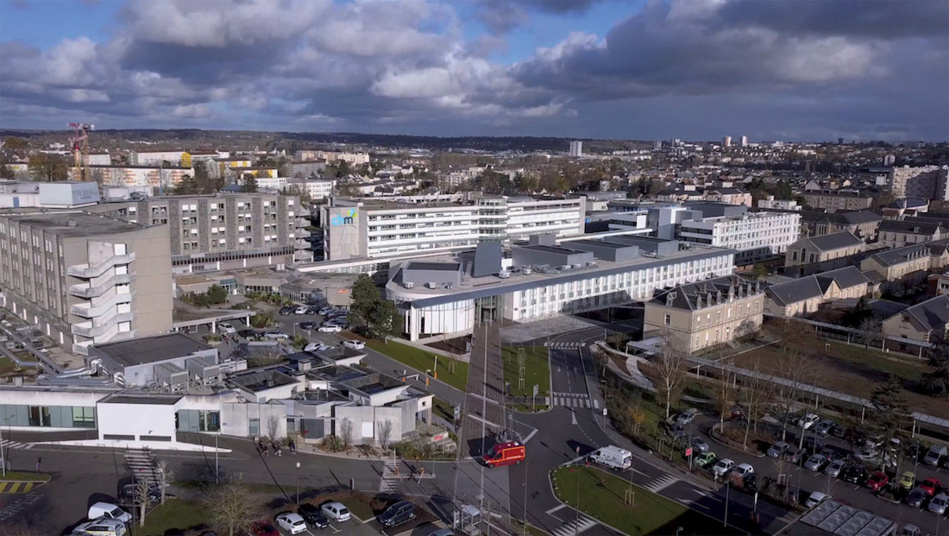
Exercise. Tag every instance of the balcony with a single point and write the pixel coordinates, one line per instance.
(300, 232)
(86, 291)
(86, 271)
(87, 310)
(100, 327)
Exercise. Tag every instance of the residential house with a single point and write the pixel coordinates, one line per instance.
(732, 196)
(833, 201)
(805, 295)
(924, 321)
(908, 265)
(896, 233)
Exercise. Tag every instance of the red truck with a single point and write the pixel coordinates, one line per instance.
(509, 453)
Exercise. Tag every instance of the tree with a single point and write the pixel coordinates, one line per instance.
(890, 411)
(752, 395)
(273, 427)
(637, 416)
(165, 477)
(365, 296)
(187, 186)
(746, 330)
(231, 507)
(48, 167)
(871, 331)
(384, 433)
(936, 380)
(141, 499)
(248, 183)
(385, 320)
(217, 294)
(346, 432)
(796, 369)
(670, 366)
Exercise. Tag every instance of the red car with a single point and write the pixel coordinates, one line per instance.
(265, 528)
(877, 480)
(930, 486)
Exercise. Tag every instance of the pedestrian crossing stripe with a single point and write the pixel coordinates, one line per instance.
(16, 444)
(661, 483)
(575, 527)
(16, 487)
(564, 345)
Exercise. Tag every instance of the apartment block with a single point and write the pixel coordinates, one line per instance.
(85, 278)
(332, 156)
(377, 229)
(756, 235)
(835, 200)
(225, 231)
(926, 182)
(154, 176)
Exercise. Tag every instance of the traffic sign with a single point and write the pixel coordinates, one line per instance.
(688, 451)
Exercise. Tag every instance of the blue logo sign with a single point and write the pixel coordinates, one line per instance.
(348, 219)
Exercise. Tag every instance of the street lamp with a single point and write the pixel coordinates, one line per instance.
(298, 482)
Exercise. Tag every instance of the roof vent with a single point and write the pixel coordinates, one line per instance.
(72, 223)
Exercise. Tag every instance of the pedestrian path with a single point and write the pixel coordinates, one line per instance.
(390, 476)
(576, 526)
(661, 483)
(573, 400)
(564, 345)
(7, 444)
(143, 466)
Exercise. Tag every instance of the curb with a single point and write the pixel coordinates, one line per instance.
(19, 487)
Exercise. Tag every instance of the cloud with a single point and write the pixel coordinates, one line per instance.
(502, 16)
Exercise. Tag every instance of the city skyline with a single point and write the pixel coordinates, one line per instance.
(777, 70)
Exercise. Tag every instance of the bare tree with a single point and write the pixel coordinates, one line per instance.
(753, 394)
(165, 477)
(871, 330)
(746, 329)
(671, 366)
(346, 432)
(273, 427)
(725, 394)
(141, 500)
(797, 370)
(230, 507)
(384, 433)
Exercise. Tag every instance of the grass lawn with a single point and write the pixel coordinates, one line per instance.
(603, 495)
(25, 476)
(443, 409)
(174, 514)
(423, 361)
(536, 369)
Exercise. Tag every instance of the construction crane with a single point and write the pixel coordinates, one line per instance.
(80, 150)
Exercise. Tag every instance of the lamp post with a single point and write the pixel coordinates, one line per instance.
(298, 482)
(727, 488)
(217, 470)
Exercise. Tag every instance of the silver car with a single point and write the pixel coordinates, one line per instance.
(778, 449)
(835, 468)
(816, 462)
(939, 504)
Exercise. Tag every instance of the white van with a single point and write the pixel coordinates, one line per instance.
(936, 454)
(613, 457)
(108, 511)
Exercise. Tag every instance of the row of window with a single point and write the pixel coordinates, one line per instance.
(48, 416)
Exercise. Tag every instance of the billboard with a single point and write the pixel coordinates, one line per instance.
(344, 218)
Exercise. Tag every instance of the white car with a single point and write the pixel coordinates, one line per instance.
(939, 504)
(835, 468)
(723, 467)
(101, 527)
(808, 421)
(815, 498)
(226, 328)
(301, 310)
(330, 328)
(292, 523)
(276, 335)
(316, 347)
(335, 511)
(744, 469)
(355, 345)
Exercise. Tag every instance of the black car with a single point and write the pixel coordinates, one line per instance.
(855, 474)
(307, 325)
(916, 498)
(247, 333)
(838, 430)
(750, 482)
(313, 516)
(813, 444)
(397, 514)
(129, 495)
(284, 311)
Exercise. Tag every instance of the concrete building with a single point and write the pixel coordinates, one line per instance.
(380, 229)
(778, 204)
(576, 148)
(744, 141)
(727, 142)
(448, 294)
(156, 158)
(863, 224)
(170, 361)
(755, 235)
(224, 231)
(86, 279)
(706, 313)
(924, 321)
(909, 265)
(352, 158)
(818, 253)
(731, 196)
(927, 182)
(833, 201)
(306, 168)
(158, 178)
(316, 189)
(806, 295)
(48, 194)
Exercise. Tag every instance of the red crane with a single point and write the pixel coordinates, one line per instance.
(80, 150)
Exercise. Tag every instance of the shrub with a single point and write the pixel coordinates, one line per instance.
(332, 443)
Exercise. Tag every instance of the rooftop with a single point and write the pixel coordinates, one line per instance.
(152, 400)
(72, 223)
(440, 266)
(151, 349)
(261, 380)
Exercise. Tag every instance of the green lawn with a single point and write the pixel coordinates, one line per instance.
(603, 496)
(536, 369)
(425, 361)
(443, 409)
(174, 514)
(907, 368)
(24, 476)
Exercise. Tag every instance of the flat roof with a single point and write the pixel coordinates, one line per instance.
(74, 223)
(550, 249)
(141, 399)
(441, 266)
(600, 244)
(152, 349)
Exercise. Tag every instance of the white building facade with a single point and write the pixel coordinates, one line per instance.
(756, 235)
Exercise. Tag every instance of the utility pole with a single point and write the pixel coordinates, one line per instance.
(727, 487)
(298, 483)
(217, 472)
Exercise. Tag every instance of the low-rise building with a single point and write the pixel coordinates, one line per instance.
(778, 204)
(806, 294)
(706, 313)
(909, 264)
(898, 233)
(862, 224)
(819, 253)
(924, 321)
(169, 361)
(833, 201)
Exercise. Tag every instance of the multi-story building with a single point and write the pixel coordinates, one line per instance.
(837, 200)
(449, 294)
(67, 194)
(778, 204)
(756, 235)
(806, 294)
(926, 182)
(731, 196)
(377, 229)
(84, 278)
(864, 224)
(897, 233)
(576, 148)
(225, 231)
(727, 142)
(332, 156)
(156, 177)
(706, 313)
(926, 321)
(156, 158)
(819, 253)
(306, 168)
(316, 189)
(908, 264)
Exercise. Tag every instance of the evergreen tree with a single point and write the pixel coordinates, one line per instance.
(890, 411)
(249, 184)
(937, 379)
(365, 297)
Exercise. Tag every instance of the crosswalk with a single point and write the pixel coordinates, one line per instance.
(7, 444)
(390, 477)
(572, 400)
(576, 526)
(565, 345)
(143, 466)
(661, 483)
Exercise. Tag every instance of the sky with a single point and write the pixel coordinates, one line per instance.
(789, 70)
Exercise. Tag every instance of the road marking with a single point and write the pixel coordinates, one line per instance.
(529, 436)
(661, 483)
(555, 509)
(6, 443)
(573, 418)
(575, 527)
(692, 504)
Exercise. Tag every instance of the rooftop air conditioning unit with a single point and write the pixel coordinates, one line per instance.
(432, 284)
(504, 274)
(408, 284)
(526, 270)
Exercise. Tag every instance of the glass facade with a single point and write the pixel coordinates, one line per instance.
(48, 416)
(194, 420)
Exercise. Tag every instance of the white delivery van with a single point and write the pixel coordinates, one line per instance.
(108, 511)
(613, 457)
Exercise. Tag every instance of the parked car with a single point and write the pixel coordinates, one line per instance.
(101, 527)
(335, 511)
(939, 504)
(935, 455)
(355, 345)
(677, 434)
(808, 421)
(855, 474)
(778, 449)
(705, 459)
(813, 444)
(397, 514)
(108, 511)
(226, 328)
(815, 498)
(908, 480)
(685, 418)
(699, 444)
(313, 516)
(913, 451)
(330, 328)
(128, 495)
(292, 523)
(276, 334)
(830, 453)
(316, 347)
(931, 486)
(794, 455)
(815, 463)
(824, 427)
(265, 528)
(301, 310)
(287, 310)
(744, 469)
(722, 467)
(839, 430)
(877, 480)
(916, 498)
(248, 333)
(750, 482)
(834, 468)
(323, 311)
(308, 325)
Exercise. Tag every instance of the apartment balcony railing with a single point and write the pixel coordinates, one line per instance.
(87, 291)
(100, 327)
(87, 271)
(87, 310)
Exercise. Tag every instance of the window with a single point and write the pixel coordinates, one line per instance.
(668, 320)
(253, 427)
(83, 417)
